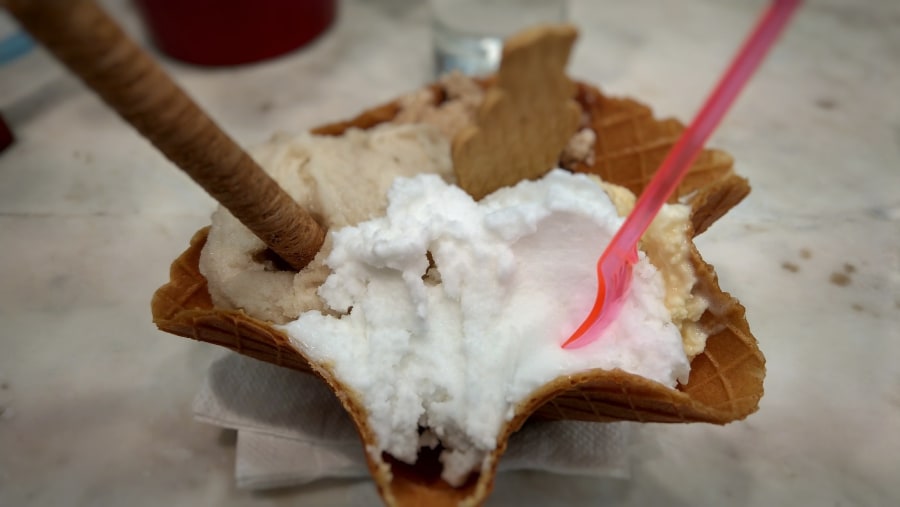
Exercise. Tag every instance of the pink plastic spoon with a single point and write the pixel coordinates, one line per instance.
(615, 265)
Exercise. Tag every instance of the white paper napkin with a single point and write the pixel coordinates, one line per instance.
(292, 430)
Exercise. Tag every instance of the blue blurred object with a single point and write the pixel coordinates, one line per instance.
(14, 43)
(14, 46)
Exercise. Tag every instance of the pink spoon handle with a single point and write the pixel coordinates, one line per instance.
(615, 258)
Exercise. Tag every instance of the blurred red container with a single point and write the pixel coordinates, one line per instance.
(231, 32)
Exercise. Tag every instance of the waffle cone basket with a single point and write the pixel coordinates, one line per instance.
(726, 379)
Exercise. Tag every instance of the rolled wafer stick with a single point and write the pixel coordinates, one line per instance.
(92, 46)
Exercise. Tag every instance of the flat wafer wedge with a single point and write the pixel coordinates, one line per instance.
(726, 380)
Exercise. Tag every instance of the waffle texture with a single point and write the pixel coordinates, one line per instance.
(726, 380)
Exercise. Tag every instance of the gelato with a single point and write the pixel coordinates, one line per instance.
(725, 382)
(455, 357)
(341, 180)
(441, 313)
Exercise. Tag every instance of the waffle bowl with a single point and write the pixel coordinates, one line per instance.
(726, 379)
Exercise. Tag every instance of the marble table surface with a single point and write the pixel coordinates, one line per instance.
(95, 402)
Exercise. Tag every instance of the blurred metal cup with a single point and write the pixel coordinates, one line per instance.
(468, 34)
